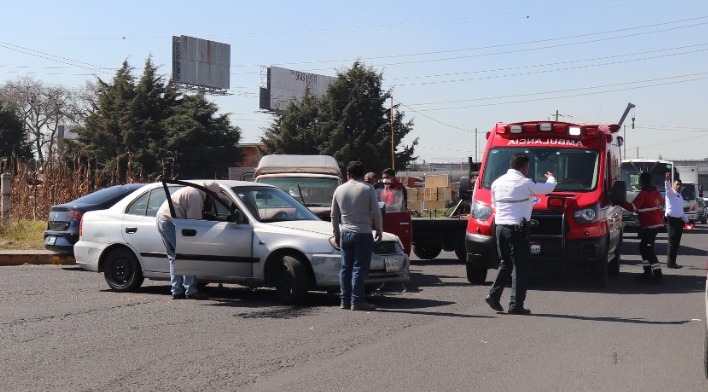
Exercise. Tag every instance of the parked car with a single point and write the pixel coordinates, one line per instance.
(63, 222)
(256, 235)
(701, 210)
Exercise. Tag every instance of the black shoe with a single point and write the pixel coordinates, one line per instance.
(178, 296)
(657, 277)
(522, 311)
(362, 305)
(644, 277)
(674, 265)
(197, 296)
(345, 305)
(494, 304)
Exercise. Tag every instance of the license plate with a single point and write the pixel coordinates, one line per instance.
(535, 249)
(392, 265)
(50, 240)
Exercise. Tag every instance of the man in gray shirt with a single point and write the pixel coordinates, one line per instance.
(354, 207)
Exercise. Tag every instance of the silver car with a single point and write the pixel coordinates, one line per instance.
(256, 235)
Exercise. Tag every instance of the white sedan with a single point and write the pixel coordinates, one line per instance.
(256, 235)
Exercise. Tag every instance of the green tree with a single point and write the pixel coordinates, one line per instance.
(201, 143)
(352, 121)
(149, 129)
(13, 142)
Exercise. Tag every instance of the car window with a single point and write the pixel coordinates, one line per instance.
(116, 192)
(268, 204)
(149, 202)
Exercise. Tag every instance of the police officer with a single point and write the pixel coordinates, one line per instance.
(675, 219)
(512, 201)
(649, 204)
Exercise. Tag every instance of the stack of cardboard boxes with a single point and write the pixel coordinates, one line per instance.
(437, 193)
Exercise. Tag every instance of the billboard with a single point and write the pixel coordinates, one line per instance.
(285, 85)
(197, 62)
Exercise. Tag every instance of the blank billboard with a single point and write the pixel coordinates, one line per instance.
(201, 63)
(286, 85)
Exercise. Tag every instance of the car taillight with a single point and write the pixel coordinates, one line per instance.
(75, 214)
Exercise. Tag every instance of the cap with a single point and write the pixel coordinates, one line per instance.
(389, 172)
(211, 185)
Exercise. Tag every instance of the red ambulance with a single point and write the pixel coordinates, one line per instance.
(577, 227)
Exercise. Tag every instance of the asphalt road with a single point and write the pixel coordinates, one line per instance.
(62, 329)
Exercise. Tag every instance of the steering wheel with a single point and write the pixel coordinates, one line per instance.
(281, 215)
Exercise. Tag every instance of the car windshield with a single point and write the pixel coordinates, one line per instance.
(102, 195)
(632, 170)
(312, 192)
(576, 170)
(268, 204)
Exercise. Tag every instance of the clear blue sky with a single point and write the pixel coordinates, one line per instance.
(454, 66)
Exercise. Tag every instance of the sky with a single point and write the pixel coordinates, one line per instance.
(455, 68)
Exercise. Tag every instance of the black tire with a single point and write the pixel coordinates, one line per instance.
(600, 274)
(613, 268)
(476, 275)
(293, 281)
(427, 250)
(704, 219)
(460, 249)
(122, 270)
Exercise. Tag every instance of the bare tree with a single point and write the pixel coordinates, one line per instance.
(43, 109)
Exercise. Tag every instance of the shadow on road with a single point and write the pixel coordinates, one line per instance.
(610, 319)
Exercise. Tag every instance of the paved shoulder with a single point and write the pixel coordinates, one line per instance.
(33, 256)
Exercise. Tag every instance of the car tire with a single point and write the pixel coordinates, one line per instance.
(613, 267)
(293, 281)
(427, 250)
(122, 270)
(476, 275)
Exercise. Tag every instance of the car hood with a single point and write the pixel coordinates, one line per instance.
(320, 227)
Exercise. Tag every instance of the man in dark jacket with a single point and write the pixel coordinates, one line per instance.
(649, 204)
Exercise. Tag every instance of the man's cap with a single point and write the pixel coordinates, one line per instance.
(389, 172)
(212, 186)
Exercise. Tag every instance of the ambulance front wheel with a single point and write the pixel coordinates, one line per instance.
(427, 250)
(475, 274)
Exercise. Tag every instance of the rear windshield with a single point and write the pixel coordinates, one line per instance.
(110, 193)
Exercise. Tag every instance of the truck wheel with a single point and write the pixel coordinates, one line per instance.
(476, 275)
(122, 270)
(427, 250)
(460, 249)
(599, 274)
(293, 281)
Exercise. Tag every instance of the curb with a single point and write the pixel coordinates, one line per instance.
(37, 257)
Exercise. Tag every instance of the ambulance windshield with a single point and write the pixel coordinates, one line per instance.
(576, 170)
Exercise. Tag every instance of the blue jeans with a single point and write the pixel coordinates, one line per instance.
(355, 263)
(167, 231)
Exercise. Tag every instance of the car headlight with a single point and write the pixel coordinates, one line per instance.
(333, 243)
(587, 215)
(481, 211)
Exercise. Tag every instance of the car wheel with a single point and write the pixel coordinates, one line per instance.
(600, 272)
(704, 220)
(293, 281)
(476, 275)
(122, 270)
(427, 250)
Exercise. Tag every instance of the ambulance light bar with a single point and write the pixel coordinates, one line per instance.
(556, 128)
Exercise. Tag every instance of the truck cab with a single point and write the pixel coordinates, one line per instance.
(311, 179)
(576, 227)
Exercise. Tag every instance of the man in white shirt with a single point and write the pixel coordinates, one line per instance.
(675, 219)
(512, 202)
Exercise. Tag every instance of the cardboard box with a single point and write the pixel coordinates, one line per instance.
(437, 180)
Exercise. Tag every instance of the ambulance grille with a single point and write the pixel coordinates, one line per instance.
(549, 223)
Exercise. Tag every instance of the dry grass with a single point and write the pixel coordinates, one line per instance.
(24, 234)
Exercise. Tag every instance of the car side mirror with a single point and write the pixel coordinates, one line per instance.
(618, 193)
(236, 216)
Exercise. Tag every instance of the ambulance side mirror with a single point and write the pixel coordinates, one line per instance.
(618, 193)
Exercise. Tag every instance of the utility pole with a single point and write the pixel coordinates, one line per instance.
(475, 144)
(624, 143)
(556, 115)
(393, 154)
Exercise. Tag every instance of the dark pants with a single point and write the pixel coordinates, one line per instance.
(515, 254)
(674, 230)
(646, 245)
